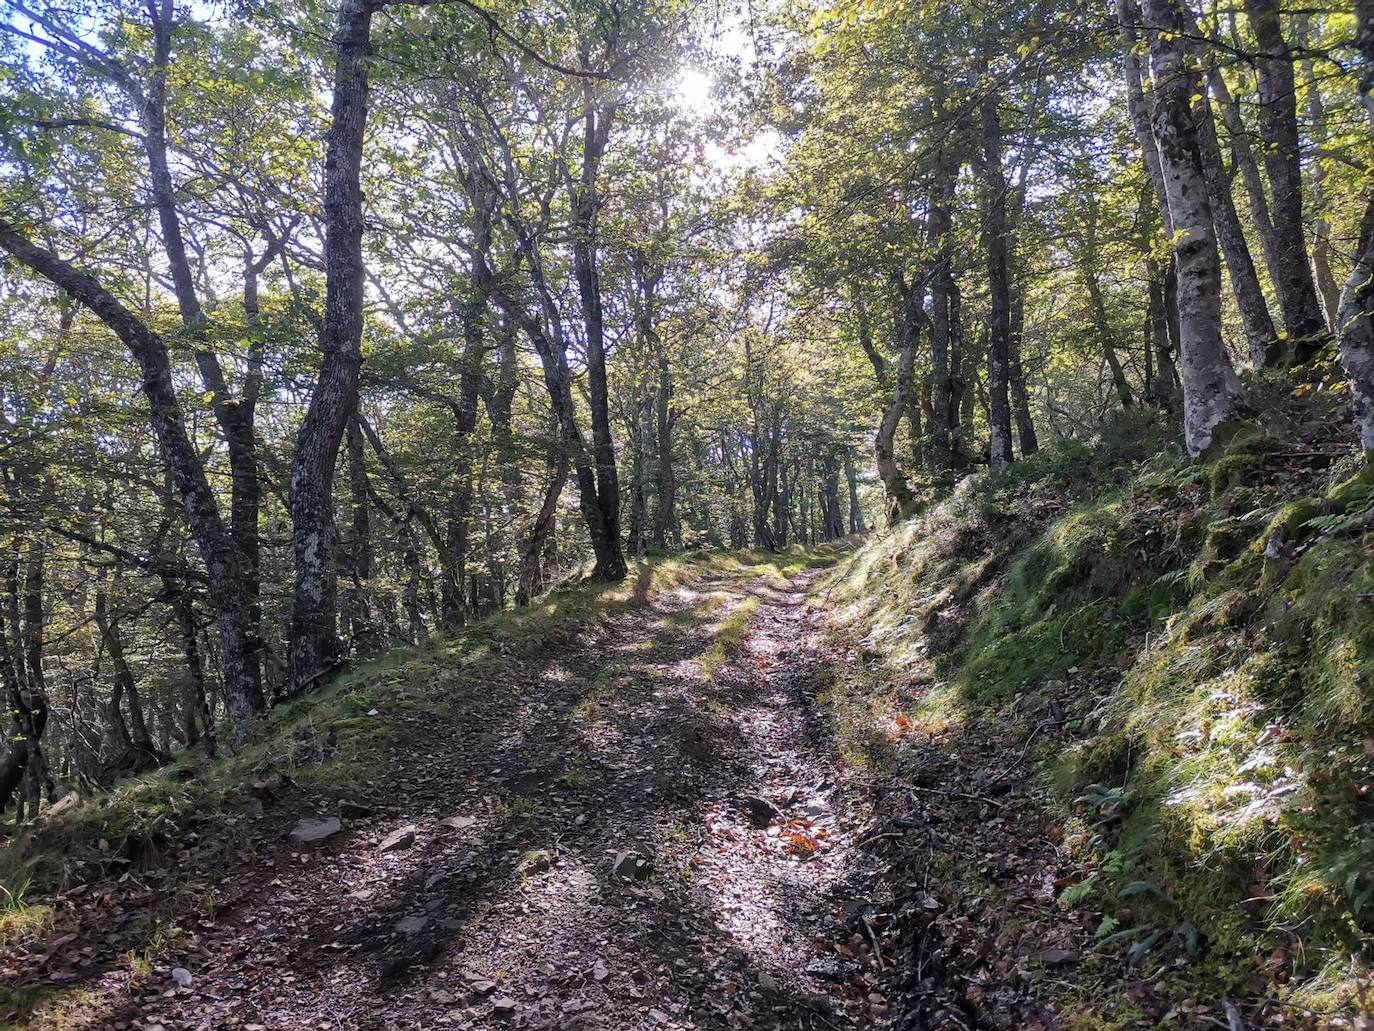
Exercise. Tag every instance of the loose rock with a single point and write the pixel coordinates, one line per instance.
(312, 832)
(398, 839)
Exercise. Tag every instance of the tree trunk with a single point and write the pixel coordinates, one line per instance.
(999, 285)
(899, 497)
(314, 645)
(856, 512)
(1245, 284)
(1211, 390)
(196, 724)
(1105, 333)
(223, 564)
(1278, 124)
(1356, 320)
(1328, 290)
(664, 515)
(833, 515)
(1020, 395)
(235, 415)
(1128, 18)
(943, 423)
(586, 206)
(357, 607)
(532, 565)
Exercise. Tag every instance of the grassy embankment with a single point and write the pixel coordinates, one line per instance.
(1206, 630)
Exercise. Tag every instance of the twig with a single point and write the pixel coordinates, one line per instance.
(879, 837)
(877, 949)
(1029, 740)
(958, 794)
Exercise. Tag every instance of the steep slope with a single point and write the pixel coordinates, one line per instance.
(1179, 655)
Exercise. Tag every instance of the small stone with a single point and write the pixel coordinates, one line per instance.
(398, 839)
(761, 811)
(534, 862)
(351, 810)
(412, 924)
(181, 976)
(458, 823)
(311, 832)
(505, 1006)
(632, 865)
(599, 971)
(1055, 957)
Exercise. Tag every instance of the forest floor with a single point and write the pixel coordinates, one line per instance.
(661, 822)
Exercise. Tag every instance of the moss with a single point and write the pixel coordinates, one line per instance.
(1230, 606)
(1237, 457)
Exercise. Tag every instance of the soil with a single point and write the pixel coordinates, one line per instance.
(632, 830)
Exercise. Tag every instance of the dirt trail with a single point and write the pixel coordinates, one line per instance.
(646, 830)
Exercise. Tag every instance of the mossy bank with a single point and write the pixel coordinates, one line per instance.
(1201, 635)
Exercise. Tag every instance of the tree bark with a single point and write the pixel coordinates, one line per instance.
(1245, 284)
(1128, 18)
(1328, 290)
(314, 633)
(235, 415)
(999, 285)
(899, 497)
(1356, 321)
(856, 512)
(586, 205)
(944, 403)
(1278, 124)
(223, 563)
(1211, 389)
(1020, 395)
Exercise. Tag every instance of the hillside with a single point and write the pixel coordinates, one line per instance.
(1176, 656)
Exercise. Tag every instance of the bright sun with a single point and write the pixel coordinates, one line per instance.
(694, 90)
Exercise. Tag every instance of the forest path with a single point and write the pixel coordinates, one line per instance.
(643, 829)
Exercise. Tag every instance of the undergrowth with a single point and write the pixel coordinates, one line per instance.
(1205, 628)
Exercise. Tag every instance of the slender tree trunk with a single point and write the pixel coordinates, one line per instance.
(944, 404)
(314, 643)
(357, 607)
(999, 285)
(458, 531)
(196, 724)
(899, 497)
(1128, 18)
(664, 515)
(832, 516)
(1105, 333)
(235, 415)
(856, 512)
(1020, 395)
(1328, 290)
(1245, 284)
(586, 205)
(532, 559)
(1356, 322)
(1278, 123)
(28, 719)
(223, 562)
(1211, 390)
